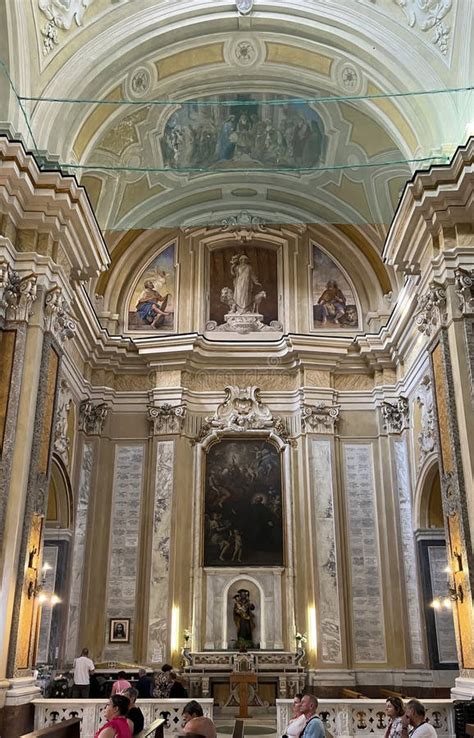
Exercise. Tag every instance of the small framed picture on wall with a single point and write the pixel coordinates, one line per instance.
(119, 630)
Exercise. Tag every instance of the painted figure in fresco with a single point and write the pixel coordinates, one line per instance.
(245, 280)
(243, 615)
(333, 303)
(151, 306)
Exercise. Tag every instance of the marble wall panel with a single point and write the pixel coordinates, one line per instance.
(322, 498)
(445, 637)
(124, 544)
(409, 555)
(50, 557)
(158, 608)
(78, 551)
(368, 631)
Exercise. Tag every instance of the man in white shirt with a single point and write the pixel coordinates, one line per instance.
(415, 716)
(83, 668)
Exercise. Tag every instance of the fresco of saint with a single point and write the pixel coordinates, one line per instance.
(334, 303)
(151, 306)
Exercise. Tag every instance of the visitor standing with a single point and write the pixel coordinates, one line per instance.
(83, 668)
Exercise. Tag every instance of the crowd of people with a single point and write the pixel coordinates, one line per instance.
(163, 684)
(124, 718)
(403, 720)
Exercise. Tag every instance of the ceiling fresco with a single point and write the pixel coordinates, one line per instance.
(251, 131)
(184, 113)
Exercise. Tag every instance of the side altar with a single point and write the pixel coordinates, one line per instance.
(278, 675)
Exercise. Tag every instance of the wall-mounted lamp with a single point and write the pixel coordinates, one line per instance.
(35, 589)
(455, 591)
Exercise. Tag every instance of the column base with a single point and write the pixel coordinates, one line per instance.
(19, 712)
(463, 688)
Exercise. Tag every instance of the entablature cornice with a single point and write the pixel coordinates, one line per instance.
(433, 202)
(51, 203)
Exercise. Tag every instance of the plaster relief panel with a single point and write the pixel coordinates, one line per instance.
(124, 546)
(322, 498)
(368, 629)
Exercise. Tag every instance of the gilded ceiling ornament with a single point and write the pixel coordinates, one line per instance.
(244, 6)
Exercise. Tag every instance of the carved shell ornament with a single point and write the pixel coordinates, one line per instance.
(244, 6)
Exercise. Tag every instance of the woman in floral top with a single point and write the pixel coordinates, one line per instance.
(394, 710)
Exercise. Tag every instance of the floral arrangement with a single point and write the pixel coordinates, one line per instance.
(186, 634)
(301, 637)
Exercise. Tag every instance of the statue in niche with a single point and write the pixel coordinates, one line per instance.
(245, 280)
(243, 618)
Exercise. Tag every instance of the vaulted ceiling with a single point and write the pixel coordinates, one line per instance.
(224, 138)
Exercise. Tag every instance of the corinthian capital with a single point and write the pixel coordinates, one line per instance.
(57, 315)
(92, 417)
(17, 294)
(431, 311)
(319, 418)
(395, 416)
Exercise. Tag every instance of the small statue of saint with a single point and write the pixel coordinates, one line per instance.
(243, 616)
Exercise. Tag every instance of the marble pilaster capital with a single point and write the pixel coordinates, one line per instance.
(57, 315)
(395, 416)
(166, 418)
(17, 293)
(92, 417)
(319, 418)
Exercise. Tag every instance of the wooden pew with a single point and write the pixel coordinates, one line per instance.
(154, 730)
(391, 693)
(469, 729)
(352, 694)
(65, 729)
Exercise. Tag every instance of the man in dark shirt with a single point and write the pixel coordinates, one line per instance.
(134, 712)
(143, 685)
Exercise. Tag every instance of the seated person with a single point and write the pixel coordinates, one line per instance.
(134, 712)
(195, 722)
(151, 306)
(121, 684)
(117, 724)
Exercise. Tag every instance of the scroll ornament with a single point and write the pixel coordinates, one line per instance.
(241, 411)
(167, 418)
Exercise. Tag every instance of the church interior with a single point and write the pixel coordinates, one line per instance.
(237, 355)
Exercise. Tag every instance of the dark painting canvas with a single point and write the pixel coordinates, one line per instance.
(263, 262)
(243, 505)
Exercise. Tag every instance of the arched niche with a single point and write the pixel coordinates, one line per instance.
(55, 561)
(257, 598)
(432, 557)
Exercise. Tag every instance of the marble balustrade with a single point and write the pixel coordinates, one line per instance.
(348, 718)
(90, 712)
